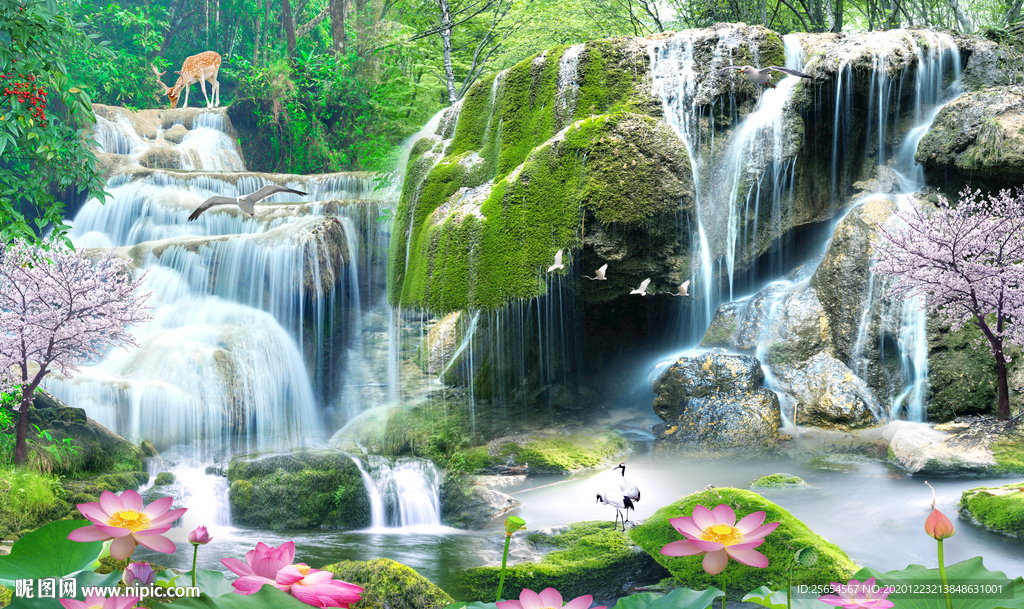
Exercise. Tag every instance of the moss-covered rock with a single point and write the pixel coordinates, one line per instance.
(467, 504)
(778, 481)
(590, 558)
(791, 535)
(163, 479)
(559, 451)
(99, 449)
(29, 500)
(298, 490)
(999, 509)
(978, 135)
(389, 585)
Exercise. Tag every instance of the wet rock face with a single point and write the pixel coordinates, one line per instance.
(920, 449)
(979, 135)
(828, 394)
(715, 402)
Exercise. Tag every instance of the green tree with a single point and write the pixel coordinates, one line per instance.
(38, 146)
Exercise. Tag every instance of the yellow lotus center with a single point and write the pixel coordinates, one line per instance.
(304, 569)
(128, 519)
(96, 607)
(722, 533)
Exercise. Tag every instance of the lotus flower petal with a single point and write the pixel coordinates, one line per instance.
(122, 547)
(715, 562)
(110, 503)
(703, 517)
(89, 533)
(724, 514)
(530, 599)
(132, 500)
(551, 598)
(156, 509)
(751, 558)
(707, 546)
(157, 543)
(580, 602)
(683, 547)
(750, 522)
(686, 526)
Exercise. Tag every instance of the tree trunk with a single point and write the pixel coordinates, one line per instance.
(1004, 388)
(361, 25)
(446, 44)
(289, 26)
(839, 17)
(20, 443)
(256, 40)
(338, 26)
(965, 22)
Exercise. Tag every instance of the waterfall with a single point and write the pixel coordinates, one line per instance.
(567, 88)
(729, 188)
(403, 493)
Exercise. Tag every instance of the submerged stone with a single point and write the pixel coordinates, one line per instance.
(778, 481)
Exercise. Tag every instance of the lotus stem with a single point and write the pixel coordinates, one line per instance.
(942, 574)
(504, 558)
(195, 556)
(724, 594)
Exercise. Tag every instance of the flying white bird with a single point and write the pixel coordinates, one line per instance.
(617, 501)
(558, 262)
(599, 274)
(627, 488)
(642, 290)
(762, 76)
(243, 201)
(682, 290)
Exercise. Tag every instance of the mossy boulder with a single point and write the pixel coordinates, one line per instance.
(999, 509)
(99, 449)
(389, 585)
(559, 451)
(88, 490)
(163, 479)
(978, 136)
(791, 535)
(298, 490)
(467, 504)
(589, 558)
(778, 481)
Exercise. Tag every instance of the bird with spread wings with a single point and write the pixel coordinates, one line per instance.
(762, 76)
(245, 202)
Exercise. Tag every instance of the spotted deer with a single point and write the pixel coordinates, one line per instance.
(197, 68)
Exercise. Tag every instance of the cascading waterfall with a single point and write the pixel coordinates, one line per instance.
(404, 492)
(730, 189)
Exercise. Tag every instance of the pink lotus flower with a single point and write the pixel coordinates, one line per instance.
(128, 523)
(267, 565)
(717, 535)
(139, 574)
(101, 602)
(199, 537)
(856, 595)
(548, 599)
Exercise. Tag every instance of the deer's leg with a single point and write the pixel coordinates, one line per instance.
(216, 91)
(202, 85)
(187, 87)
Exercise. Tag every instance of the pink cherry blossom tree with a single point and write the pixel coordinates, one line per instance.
(58, 310)
(967, 261)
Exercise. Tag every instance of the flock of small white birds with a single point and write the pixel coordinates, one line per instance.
(601, 274)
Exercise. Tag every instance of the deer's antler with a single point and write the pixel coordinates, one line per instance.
(158, 75)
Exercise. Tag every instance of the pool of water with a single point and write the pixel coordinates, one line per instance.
(872, 511)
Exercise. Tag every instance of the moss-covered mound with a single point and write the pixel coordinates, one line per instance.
(590, 558)
(559, 453)
(999, 509)
(389, 585)
(791, 535)
(98, 448)
(778, 481)
(299, 490)
(29, 500)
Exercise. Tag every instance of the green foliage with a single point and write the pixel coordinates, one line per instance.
(680, 598)
(268, 597)
(50, 455)
(30, 500)
(37, 153)
(908, 581)
(47, 552)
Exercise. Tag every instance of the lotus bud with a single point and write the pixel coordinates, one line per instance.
(199, 537)
(139, 574)
(938, 526)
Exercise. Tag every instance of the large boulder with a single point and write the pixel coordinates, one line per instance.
(468, 504)
(298, 490)
(583, 558)
(98, 448)
(999, 509)
(388, 584)
(920, 449)
(559, 451)
(978, 137)
(828, 394)
(833, 564)
(715, 402)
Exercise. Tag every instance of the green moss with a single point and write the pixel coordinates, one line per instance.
(1009, 455)
(720, 334)
(30, 501)
(115, 483)
(778, 481)
(566, 454)
(5, 596)
(778, 547)
(297, 491)
(999, 509)
(389, 585)
(164, 478)
(589, 558)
